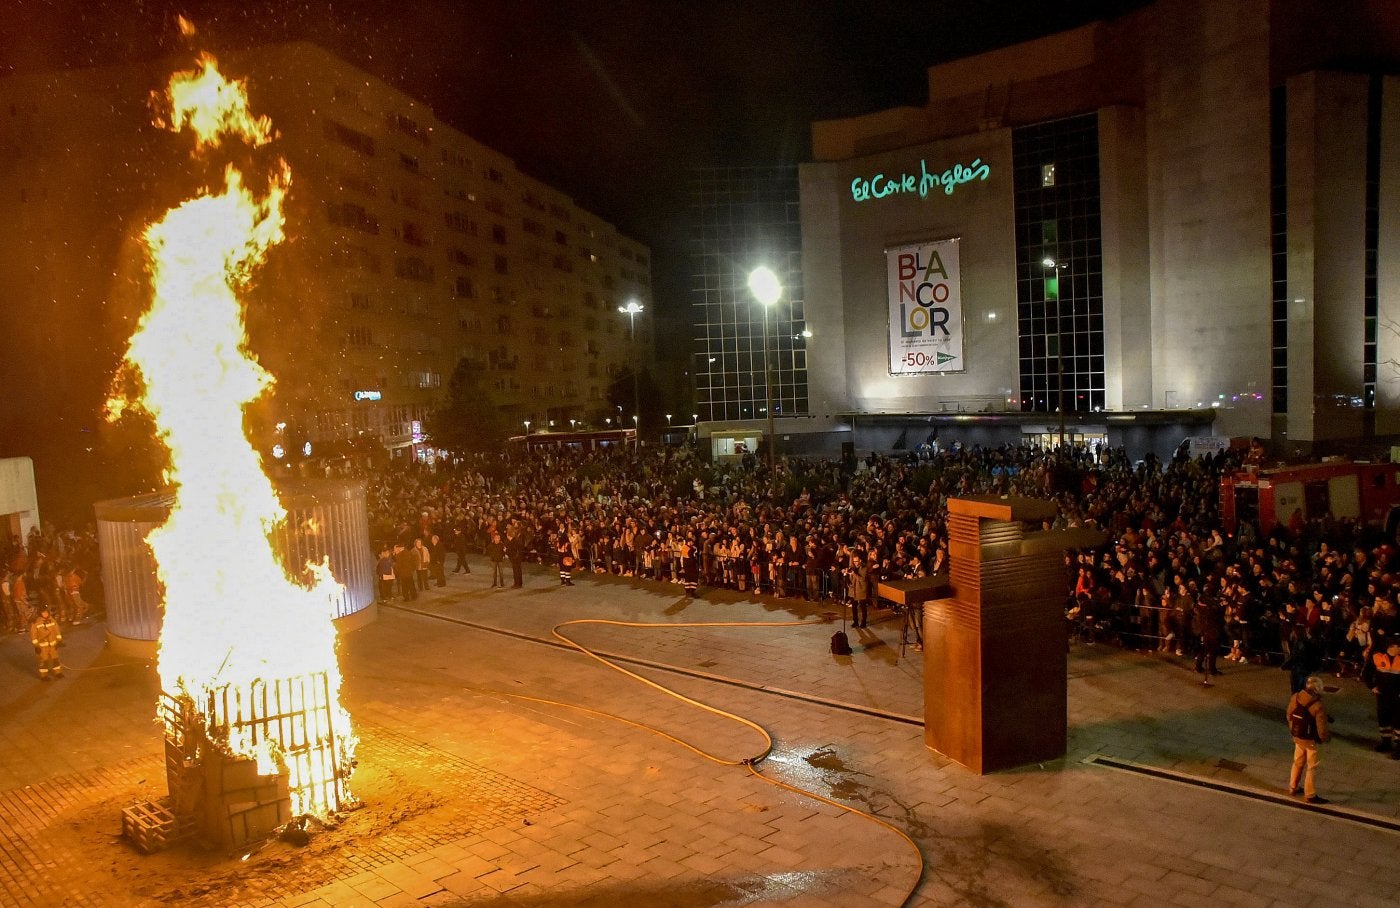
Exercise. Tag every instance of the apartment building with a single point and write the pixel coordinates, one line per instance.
(410, 247)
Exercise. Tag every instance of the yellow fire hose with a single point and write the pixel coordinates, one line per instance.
(750, 763)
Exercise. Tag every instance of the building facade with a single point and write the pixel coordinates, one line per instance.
(1185, 221)
(743, 218)
(410, 248)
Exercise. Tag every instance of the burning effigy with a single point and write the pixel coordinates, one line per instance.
(256, 736)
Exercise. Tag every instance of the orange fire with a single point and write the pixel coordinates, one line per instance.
(233, 618)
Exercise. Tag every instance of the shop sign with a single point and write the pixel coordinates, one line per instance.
(881, 185)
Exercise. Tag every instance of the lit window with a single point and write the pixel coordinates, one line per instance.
(1047, 174)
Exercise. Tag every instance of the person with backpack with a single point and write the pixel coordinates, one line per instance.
(1307, 723)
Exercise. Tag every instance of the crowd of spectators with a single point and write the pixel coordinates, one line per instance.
(47, 570)
(1313, 596)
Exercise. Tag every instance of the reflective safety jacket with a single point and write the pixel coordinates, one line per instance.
(44, 633)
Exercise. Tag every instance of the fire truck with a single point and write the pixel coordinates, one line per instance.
(1366, 492)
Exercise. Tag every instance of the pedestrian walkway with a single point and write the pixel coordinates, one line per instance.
(482, 787)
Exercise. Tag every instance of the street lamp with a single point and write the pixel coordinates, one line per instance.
(764, 286)
(630, 310)
(527, 426)
(1059, 267)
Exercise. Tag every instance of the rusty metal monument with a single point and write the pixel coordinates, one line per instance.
(995, 687)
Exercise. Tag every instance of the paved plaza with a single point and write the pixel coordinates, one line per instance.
(498, 766)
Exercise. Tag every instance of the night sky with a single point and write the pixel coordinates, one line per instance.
(610, 101)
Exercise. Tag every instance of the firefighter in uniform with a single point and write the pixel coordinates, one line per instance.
(45, 635)
(690, 570)
(566, 562)
(1385, 684)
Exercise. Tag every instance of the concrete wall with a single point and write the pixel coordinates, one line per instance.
(1127, 297)
(1388, 266)
(1326, 254)
(19, 503)
(1207, 131)
(846, 277)
(823, 284)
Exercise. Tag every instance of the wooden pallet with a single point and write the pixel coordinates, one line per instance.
(152, 826)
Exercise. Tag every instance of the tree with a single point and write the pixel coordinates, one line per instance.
(471, 420)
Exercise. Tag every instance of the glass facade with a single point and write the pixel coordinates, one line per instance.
(1059, 265)
(745, 217)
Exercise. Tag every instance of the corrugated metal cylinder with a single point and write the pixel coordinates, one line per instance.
(325, 519)
(128, 568)
(328, 519)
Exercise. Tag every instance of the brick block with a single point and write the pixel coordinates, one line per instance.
(238, 774)
(261, 821)
(232, 807)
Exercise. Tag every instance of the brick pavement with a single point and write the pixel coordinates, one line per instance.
(588, 811)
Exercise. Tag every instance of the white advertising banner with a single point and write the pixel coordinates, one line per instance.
(925, 295)
(1201, 445)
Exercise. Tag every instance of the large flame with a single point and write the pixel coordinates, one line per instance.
(232, 616)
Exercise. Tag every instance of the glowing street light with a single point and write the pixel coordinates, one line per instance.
(631, 310)
(766, 288)
(527, 426)
(1058, 268)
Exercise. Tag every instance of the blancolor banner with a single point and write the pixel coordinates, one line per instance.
(926, 325)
